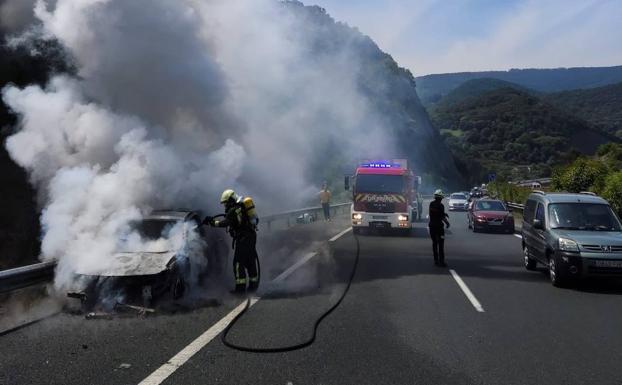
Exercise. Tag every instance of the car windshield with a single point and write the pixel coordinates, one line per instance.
(150, 235)
(379, 184)
(489, 206)
(153, 229)
(583, 216)
(458, 196)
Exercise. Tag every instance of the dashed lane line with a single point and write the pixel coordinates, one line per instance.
(164, 371)
(341, 234)
(518, 236)
(294, 267)
(465, 289)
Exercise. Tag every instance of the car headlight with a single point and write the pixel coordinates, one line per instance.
(566, 244)
(358, 217)
(402, 217)
(480, 219)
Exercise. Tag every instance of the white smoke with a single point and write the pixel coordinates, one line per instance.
(15, 15)
(174, 101)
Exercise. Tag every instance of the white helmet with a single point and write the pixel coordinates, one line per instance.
(227, 196)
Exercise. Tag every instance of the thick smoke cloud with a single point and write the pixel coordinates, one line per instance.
(16, 15)
(174, 101)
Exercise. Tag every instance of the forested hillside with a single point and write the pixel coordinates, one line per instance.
(511, 132)
(19, 216)
(601, 107)
(432, 88)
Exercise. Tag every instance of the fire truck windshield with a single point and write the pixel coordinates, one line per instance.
(379, 183)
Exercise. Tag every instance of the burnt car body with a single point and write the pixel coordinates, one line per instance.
(490, 215)
(146, 276)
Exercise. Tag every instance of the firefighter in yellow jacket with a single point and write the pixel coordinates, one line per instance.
(241, 221)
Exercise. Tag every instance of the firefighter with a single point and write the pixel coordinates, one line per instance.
(241, 221)
(437, 232)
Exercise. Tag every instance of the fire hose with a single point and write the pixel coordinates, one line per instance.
(316, 324)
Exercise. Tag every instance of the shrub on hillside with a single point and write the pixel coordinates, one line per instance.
(509, 192)
(613, 190)
(583, 174)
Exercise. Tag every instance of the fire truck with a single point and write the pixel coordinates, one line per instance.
(384, 195)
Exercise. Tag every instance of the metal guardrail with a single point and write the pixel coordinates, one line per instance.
(290, 216)
(517, 206)
(21, 277)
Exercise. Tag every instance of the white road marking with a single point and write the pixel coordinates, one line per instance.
(518, 236)
(467, 291)
(294, 267)
(164, 371)
(341, 234)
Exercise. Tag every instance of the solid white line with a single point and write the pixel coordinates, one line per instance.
(294, 267)
(341, 234)
(467, 291)
(164, 371)
(518, 236)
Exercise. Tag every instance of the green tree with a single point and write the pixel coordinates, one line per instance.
(583, 174)
(613, 190)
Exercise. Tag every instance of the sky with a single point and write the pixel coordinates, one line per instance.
(441, 36)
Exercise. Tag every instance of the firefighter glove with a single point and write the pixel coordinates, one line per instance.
(209, 221)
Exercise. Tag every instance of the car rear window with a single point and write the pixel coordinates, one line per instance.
(490, 206)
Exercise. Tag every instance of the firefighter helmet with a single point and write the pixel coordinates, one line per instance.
(228, 195)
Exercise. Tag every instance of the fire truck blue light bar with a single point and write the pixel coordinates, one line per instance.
(380, 165)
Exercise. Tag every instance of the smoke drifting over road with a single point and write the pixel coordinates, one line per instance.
(174, 101)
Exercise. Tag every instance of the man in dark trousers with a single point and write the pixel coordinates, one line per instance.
(438, 217)
(325, 201)
(241, 220)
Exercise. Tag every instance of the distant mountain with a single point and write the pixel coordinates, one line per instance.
(601, 107)
(476, 87)
(511, 132)
(432, 88)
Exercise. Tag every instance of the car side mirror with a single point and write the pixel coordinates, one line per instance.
(538, 225)
(346, 183)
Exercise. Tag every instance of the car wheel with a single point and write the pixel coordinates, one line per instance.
(530, 263)
(555, 272)
(178, 285)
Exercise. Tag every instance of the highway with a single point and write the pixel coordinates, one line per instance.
(482, 320)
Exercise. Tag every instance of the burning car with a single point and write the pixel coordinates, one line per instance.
(174, 253)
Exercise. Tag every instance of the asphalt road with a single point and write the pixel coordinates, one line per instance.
(404, 321)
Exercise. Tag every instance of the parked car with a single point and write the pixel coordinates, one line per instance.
(160, 267)
(491, 215)
(458, 201)
(574, 235)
